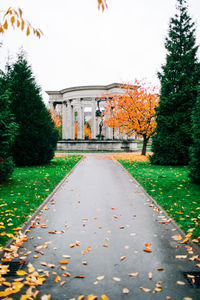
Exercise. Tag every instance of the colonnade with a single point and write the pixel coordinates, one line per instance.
(70, 107)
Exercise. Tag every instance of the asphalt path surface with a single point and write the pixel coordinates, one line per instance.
(99, 221)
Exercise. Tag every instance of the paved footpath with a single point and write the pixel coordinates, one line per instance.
(102, 219)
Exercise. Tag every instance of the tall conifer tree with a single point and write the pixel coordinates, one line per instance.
(37, 137)
(194, 165)
(179, 79)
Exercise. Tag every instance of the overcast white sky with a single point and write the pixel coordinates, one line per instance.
(83, 46)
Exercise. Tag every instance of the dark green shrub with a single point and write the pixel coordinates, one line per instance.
(37, 137)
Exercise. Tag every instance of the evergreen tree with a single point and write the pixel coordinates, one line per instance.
(194, 165)
(7, 133)
(37, 137)
(179, 79)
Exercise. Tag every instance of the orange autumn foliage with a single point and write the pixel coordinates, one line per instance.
(56, 118)
(133, 112)
(87, 131)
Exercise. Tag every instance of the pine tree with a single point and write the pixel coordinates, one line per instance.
(194, 165)
(37, 137)
(7, 133)
(179, 79)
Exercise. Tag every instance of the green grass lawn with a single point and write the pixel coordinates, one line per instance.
(172, 190)
(27, 189)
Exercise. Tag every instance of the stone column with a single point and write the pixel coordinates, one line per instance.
(109, 133)
(73, 124)
(80, 121)
(93, 125)
(69, 120)
(64, 120)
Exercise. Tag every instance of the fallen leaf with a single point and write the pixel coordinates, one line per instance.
(66, 274)
(133, 274)
(160, 269)
(150, 276)
(181, 256)
(147, 250)
(92, 297)
(185, 241)
(198, 265)
(116, 279)
(21, 273)
(66, 256)
(46, 297)
(177, 237)
(62, 283)
(105, 245)
(122, 258)
(72, 245)
(81, 297)
(57, 278)
(180, 282)
(64, 262)
(104, 297)
(100, 278)
(84, 262)
(79, 276)
(43, 263)
(145, 289)
(126, 291)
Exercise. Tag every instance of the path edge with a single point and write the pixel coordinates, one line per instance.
(190, 243)
(27, 224)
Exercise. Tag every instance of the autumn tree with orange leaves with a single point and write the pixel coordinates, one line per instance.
(134, 112)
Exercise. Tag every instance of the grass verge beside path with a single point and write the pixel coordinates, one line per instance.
(172, 190)
(27, 189)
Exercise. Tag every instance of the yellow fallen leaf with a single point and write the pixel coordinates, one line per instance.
(77, 243)
(147, 250)
(21, 272)
(185, 241)
(198, 265)
(64, 262)
(104, 297)
(116, 217)
(189, 234)
(133, 274)
(92, 297)
(57, 278)
(81, 297)
(72, 245)
(63, 268)
(84, 219)
(122, 258)
(43, 263)
(84, 262)
(105, 245)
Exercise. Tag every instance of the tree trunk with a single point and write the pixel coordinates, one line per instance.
(144, 146)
